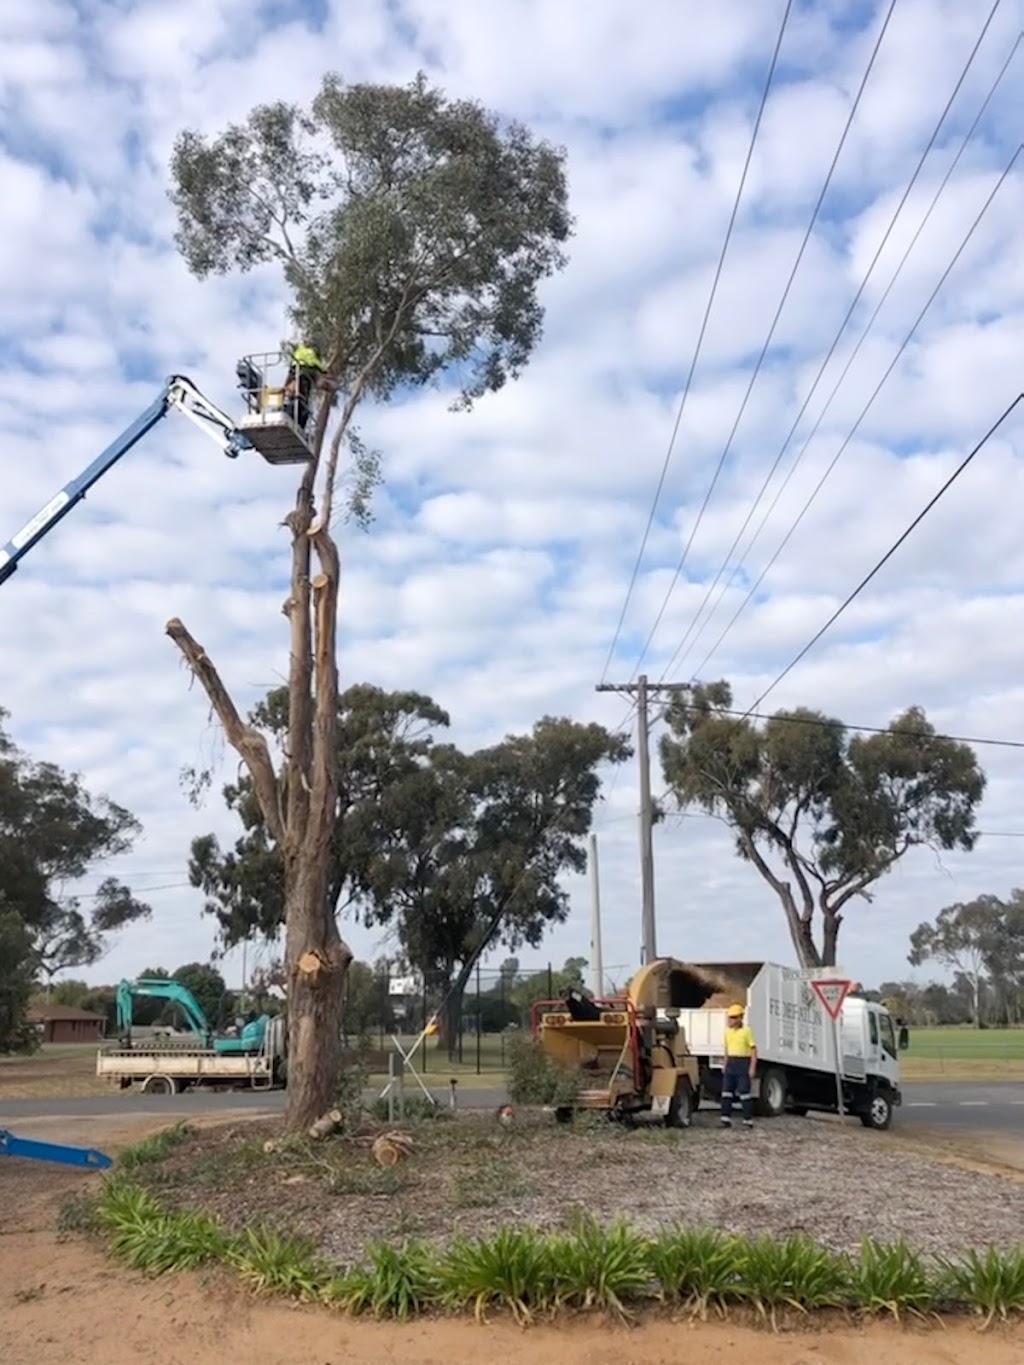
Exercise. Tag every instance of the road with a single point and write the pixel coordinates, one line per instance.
(997, 1108)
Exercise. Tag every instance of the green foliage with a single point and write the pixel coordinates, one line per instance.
(511, 1271)
(528, 1272)
(209, 990)
(79, 1214)
(821, 815)
(534, 1078)
(413, 230)
(990, 1283)
(891, 1278)
(982, 941)
(393, 1282)
(696, 1268)
(415, 1109)
(272, 1262)
(53, 832)
(454, 851)
(155, 1148)
(17, 974)
(599, 1267)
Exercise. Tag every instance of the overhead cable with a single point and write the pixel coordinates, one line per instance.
(682, 650)
(700, 342)
(771, 332)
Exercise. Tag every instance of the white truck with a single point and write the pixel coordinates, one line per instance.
(796, 1069)
(170, 1069)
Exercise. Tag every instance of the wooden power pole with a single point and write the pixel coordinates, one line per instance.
(642, 690)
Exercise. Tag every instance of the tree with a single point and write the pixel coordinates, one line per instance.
(957, 939)
(52, 833)
(17, 973)
(548, 985)
(209, 990)
(413, 232)
(821, 815)
(478, 850)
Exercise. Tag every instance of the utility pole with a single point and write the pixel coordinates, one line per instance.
(596, 962)
(642, 690)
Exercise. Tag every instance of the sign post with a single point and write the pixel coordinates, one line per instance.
(832, 993)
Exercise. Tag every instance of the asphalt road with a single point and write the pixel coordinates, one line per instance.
(997, 1108)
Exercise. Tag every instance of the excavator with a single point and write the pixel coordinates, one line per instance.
(630, 1052)
(249, 1038)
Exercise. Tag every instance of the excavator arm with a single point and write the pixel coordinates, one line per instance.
(160, 988)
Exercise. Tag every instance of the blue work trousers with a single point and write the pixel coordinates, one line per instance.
(736, 1085)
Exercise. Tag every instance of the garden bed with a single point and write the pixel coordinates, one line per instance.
(469, 1176)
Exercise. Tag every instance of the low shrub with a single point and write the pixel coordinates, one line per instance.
(534, 1078)
(529, 1272)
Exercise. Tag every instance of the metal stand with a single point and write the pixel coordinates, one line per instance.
(404, 1059)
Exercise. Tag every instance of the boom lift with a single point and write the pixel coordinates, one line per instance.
(271, 426)
(250, 1037)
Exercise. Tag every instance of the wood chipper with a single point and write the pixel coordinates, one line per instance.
(630, 1050)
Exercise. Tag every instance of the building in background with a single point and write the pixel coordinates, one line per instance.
(65, 1024)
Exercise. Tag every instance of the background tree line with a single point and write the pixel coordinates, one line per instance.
(450, 853)
(53, 832)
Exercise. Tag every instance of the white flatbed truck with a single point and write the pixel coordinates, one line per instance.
(168, 1070)
(796, 1070)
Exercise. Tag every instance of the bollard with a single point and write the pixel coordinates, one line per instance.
(452, 1100)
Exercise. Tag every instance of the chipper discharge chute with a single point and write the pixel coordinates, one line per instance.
(629, 1051)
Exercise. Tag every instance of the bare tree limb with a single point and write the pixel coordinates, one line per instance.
(245, 739)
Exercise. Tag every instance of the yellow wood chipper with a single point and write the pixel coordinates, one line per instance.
(629, 1051)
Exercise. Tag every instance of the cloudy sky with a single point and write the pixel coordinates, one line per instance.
(497, 568)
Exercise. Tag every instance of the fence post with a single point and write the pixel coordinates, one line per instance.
(479, 1020)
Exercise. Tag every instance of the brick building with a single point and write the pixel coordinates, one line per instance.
(64, 1024)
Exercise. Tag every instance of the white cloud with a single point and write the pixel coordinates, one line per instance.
(505, 539)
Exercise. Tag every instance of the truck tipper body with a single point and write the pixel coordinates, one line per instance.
(796, 1068)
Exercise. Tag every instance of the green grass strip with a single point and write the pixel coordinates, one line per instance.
(531, 1273)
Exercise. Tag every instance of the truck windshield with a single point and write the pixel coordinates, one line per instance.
(888, 1035)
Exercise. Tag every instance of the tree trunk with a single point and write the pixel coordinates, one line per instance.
(318, 963)
(830, 939)
(451, 1012)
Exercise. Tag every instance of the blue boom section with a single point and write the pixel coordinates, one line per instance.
(72, 493)
(34, 1150)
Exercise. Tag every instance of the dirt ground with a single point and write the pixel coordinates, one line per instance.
(64, 1303)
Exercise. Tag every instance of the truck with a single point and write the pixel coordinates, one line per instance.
(796, 1063)
(252, 1056)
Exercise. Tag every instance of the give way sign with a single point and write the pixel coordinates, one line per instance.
(832, 994)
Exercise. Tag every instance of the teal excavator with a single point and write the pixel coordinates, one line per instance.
(249, 1038)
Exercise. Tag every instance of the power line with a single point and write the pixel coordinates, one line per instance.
(835, 459)
(771, 332)
(891, 551)
(700, 342)
(682, 651)
(827, 723)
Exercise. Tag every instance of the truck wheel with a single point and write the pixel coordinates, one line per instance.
(680, 1107)
(158, 1085)
(878, 1114)
(772, 1100)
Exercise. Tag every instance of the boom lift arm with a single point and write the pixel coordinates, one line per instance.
(273, 435)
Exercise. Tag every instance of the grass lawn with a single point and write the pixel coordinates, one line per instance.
(961, 1054)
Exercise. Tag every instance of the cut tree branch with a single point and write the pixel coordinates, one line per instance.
(246, 740)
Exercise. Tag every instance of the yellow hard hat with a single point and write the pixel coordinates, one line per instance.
(735, 1011)
(305, 355)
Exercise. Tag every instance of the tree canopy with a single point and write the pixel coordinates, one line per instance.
(454, 851)
(982, 941)
(821, 814)
(53, 832)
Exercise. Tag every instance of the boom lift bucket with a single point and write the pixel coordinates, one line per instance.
(280, 403)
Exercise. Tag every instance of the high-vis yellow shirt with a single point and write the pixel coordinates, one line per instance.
(739, 1042)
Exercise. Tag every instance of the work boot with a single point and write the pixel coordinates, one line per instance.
(726, 1123)
(748, 1123)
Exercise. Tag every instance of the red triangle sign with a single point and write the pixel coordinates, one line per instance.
(832, 994)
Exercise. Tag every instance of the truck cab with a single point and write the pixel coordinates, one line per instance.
(871, 1058)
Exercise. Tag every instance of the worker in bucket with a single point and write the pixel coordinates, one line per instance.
(298, 389)
(740, 1067)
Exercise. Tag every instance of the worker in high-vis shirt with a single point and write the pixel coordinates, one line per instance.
(740, 1067)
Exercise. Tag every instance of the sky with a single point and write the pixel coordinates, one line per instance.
(497, 567)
